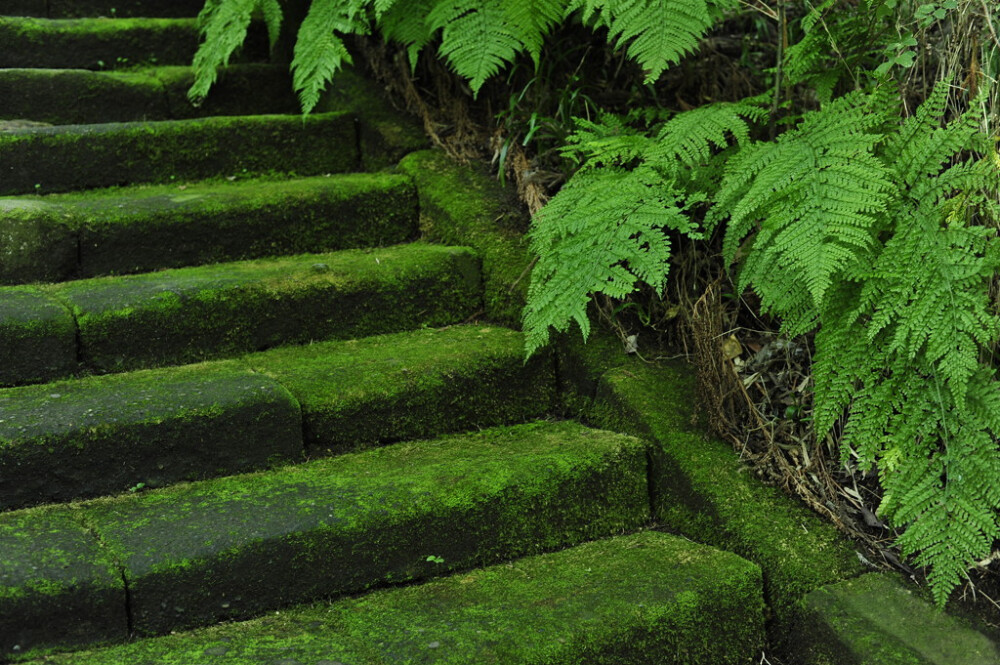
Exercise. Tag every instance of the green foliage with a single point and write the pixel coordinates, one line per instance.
(609, 227)
(477, 37)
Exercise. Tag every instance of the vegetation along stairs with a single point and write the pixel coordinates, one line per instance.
(264, 400)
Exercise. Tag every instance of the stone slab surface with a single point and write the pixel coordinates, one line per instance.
(410, 385)
(124, 8)
(53, 159)
(632, 600)
(58, 587)
(37, 336)
(237, 546)
(877, 620)
(193, 314)
(105, 435)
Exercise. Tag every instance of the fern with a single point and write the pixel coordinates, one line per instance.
(905, 318)
(405, 22)
(320, 50)
(223, 25)
(608, 228)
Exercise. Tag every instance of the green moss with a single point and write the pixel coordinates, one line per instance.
(37, 336)
(57, 586)
(241, 89)
(241, 545)
(67, 96)
(410, 385)
(631, 600)
(458, 204)
(146, 228)
(191, 314)
(102, 435)
(876, 620)
(80, 157)
(700, 489)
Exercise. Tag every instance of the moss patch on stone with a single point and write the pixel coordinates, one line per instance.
(395, 387)
(876, 620)
(631, 600)
(700, 489)
(58, 587)
(241, 89)
(237, 546)
(36, 242)
(104, 435)
(37, 336)
(193, 314)
(96, 44)
(51, 159)
(461, 205)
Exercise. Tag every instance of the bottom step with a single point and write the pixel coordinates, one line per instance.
(644, 598)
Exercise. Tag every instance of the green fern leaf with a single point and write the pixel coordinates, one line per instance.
(405, 22)
(223, 25)
(320, 50)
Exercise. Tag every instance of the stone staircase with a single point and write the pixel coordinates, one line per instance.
(263, 400)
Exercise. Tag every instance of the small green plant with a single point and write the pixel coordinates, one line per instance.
(431, 558)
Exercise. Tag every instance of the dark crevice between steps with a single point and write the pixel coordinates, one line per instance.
(78, 338)
(127, 592)
(358, 146)
(166, 95)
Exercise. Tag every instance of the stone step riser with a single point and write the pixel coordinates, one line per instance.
(77, 96)
(99, 44)
(58, 159)
(56, 239)
(115, 324)
(238, 546)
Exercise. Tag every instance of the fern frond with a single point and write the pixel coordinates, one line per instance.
(658, 33)
(320, 50)
(223, 25)
(603, 232)
(478, 37)
(405, 22)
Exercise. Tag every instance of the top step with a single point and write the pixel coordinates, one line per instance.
(107, 8)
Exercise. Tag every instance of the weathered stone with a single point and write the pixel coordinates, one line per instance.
(37, 336)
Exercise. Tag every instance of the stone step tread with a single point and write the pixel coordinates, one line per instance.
(184, 315)
(41, 160)
(235, 547)
(876, 620)
(136, 229)
(80, 96)
(106, 44)
(107, 434)
(102, 8)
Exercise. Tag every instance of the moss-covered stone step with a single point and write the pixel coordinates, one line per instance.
(37, 337)
(96, 43)
(238, 546)
(58, 585)
(192, 314)
(124, 8)
(701, 489)
(128, 230)
(52, 159)
(410, 385)
(876, 620)
(101, 435)
(105, 435)
(79, 96)
(103, 44)
(637, 599)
